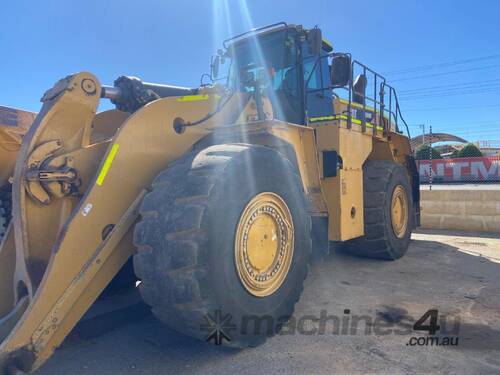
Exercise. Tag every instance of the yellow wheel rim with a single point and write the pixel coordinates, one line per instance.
(399, 211)
(264, 244)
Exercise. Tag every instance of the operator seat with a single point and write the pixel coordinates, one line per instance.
(359, 91)
(287, 97)
(289, 84)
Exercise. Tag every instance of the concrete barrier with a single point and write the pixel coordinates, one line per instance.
(471, 208)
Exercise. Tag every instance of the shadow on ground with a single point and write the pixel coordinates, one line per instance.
(433, 275)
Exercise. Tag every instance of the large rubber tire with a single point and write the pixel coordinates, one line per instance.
(185, 241)
(5, 208)
(380, 178)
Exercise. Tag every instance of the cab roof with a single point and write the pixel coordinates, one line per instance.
(327, 46)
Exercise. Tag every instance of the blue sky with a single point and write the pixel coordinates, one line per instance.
(169, 41)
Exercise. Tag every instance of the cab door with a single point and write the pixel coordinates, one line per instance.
(319, 97)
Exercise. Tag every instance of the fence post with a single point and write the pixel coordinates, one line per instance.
(430, 157)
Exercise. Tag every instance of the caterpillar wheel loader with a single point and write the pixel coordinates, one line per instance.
(14, 124)
(219, 193)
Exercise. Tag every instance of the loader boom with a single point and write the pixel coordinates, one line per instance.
(62, 268)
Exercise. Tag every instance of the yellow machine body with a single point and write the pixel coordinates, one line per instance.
(80, 177)
(14, 124)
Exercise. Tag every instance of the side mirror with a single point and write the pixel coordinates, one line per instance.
(340, 71)
(215, 66)
(315, 41)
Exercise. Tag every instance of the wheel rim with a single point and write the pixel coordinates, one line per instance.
(399, 211)
(264, 244)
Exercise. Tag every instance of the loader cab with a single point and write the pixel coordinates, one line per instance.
(316, 77)
(284, 65)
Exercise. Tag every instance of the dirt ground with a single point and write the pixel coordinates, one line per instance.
(458, 274)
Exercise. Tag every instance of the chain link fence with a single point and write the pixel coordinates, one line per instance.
(470, 169)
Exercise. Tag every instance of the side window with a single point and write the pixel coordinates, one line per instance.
(285, 79)
(319, 99)
(313, 76)
(320, 77)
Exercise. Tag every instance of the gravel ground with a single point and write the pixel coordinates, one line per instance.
(456, 273)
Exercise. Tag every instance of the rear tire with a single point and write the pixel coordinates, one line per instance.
(387, 235)
(187, 242)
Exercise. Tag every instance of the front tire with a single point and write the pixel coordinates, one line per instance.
(205, 242)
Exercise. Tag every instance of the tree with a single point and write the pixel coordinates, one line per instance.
(423, 153)
(470, 150)
(454, 154)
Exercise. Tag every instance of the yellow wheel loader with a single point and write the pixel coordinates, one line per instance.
(14, 124)
(219, 193)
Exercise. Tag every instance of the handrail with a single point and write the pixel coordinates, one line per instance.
(388, 111)
(397, 110)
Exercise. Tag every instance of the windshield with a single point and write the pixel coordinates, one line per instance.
(268, 59)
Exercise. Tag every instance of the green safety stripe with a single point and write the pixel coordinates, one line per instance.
(107, 164)
(327, 42)
(343, 117)
(368, 124)
(357, 105)
(322, 118)
(195, 98)
(360, 106)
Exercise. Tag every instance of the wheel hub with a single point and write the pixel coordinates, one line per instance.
(399, 211)
(264, 244)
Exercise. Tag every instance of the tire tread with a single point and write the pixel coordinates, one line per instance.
(375, 243)
(172, 245)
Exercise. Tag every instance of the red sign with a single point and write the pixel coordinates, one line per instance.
(461, 169)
